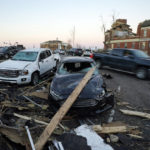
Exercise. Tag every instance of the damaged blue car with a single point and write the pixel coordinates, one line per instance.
(69, 73)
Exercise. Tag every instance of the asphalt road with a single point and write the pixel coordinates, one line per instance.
(131, 89)
(136, 92)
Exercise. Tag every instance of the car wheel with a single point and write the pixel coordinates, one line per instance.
(35, 78)
(141, 73)
(98, 64)
(6, 56)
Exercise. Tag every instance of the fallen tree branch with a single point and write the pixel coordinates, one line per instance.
(135, 113)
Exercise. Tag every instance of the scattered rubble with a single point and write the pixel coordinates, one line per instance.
(25, 114)
(113, 138)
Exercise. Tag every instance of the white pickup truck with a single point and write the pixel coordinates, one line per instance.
(27, 66)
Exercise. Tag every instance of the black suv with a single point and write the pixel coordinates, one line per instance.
(8, 51)
(75, 52)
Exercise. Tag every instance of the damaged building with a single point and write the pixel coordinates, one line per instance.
(55, 44)
(121, 36)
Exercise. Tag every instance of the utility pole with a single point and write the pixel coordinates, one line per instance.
(73, 36)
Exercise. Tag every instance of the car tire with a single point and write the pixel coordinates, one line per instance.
(6, 56)
(141, 73)
(98, 64)
(35, 78)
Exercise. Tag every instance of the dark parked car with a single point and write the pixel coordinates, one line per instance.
(75, 52)
(69, 73)
(8, 51)
(60, 51)
(131, 60)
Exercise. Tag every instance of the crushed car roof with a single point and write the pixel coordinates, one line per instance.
(76, 59)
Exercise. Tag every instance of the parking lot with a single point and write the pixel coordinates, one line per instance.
(130, 94)
(135, 93)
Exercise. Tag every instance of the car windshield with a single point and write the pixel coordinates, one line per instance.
(76, 67)
(25, 56)
(140, 54)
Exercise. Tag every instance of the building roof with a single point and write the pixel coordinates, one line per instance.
(53, 41)
(146, 23)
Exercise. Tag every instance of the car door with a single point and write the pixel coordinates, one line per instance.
(128, 61)
(115, 58)
(50, 60)
(43, 62)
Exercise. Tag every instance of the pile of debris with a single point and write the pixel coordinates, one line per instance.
(26, 122)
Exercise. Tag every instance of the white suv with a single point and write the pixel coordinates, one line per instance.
(27, 66)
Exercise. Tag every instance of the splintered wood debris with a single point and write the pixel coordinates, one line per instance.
(30, 108)
(135, 113)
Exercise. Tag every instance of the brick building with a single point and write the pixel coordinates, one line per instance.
(121, 36)
(55, 44)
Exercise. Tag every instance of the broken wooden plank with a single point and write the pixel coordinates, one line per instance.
(13, 105)
(62, 111)
(13, 134)
(122, 103)
(135, 136)
(113, 129)
(37, 121)
(29, 118)
(42, 95)
(135, 113)
(27, 98)
(33, 87)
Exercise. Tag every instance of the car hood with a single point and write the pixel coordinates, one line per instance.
(144, 61)
(12, 64)
(64, 85)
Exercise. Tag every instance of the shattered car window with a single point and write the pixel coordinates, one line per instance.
(77, 67)
(25, 56)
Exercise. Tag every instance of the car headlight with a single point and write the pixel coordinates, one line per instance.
(101, 95)
(55, 95)
(23, 72)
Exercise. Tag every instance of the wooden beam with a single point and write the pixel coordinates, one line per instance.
(29, 118)
(112, 129)
(135, 113)
(62, 111)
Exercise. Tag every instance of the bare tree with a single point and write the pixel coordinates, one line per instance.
(73, 36)
(103, 25)
(114, 16)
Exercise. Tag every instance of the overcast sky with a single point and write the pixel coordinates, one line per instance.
(31, 22)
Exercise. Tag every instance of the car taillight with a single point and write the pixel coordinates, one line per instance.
(91, 56)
